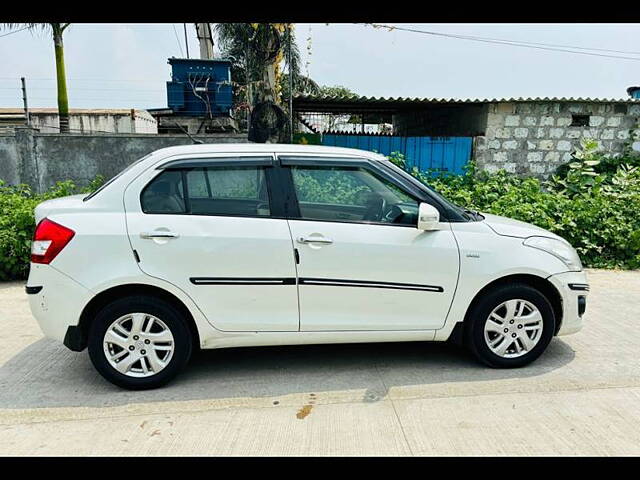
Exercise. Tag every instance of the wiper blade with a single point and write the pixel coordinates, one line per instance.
(474, 213)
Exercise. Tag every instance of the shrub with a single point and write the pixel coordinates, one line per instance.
(17, 222)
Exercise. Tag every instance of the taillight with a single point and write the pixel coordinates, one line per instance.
(48, 241)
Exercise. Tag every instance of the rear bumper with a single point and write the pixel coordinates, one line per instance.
(573, 289)
(58, 303)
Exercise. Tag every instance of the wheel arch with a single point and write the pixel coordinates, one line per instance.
(541, 284)
(107, 296)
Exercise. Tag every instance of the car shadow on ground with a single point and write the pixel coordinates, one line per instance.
(46, 374)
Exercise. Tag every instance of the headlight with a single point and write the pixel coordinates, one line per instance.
(558, 248)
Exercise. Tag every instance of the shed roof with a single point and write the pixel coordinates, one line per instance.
(329, 103)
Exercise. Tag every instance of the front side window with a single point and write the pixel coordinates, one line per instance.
(235, 191)
(351, 194)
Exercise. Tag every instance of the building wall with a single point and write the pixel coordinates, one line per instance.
(535, 138)
(96, 123)
(41, 160)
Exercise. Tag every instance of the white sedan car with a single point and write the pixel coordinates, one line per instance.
(213, 246)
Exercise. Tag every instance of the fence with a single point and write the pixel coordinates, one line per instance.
(438, 154)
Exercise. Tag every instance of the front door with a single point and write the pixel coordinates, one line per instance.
(363, 264)
(208, 227)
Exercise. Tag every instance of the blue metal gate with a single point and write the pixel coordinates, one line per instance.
(437, 154)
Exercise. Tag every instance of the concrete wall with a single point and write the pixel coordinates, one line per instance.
(110, 123)
(41, 159)
(81, 120)
(535, 138)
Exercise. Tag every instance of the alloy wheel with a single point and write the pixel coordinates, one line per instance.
(513, 328)
(138, 345)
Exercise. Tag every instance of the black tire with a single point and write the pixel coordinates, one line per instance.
(479, 315)
(170, 316)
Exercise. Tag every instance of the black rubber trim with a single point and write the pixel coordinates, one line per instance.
(74, 339)
(242, 281)
(212, 162)
(322, 161)
(582, 305)
(32, 290)
(331, 282)
(583, 287)
(321, 282)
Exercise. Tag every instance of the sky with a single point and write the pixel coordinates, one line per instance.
(125, 65)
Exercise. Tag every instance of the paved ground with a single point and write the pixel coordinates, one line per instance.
(581, 398)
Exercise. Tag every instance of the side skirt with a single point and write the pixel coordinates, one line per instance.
(256, 339)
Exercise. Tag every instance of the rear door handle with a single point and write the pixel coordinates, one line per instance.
(323, 240)
(158, 234)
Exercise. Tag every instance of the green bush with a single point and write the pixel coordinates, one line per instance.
(17, 222)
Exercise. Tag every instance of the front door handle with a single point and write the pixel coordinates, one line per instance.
(322, 240)
(158, 234)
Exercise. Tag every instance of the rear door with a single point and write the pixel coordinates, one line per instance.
(214, 227)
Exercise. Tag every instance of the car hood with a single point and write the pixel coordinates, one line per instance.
(515, 228)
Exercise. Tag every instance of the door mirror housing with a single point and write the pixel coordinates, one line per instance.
(428, 217)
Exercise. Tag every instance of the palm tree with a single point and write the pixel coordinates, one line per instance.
(256, 51)
(56, 29)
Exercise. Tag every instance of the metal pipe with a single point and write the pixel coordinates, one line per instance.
(290, 88)
(186, 43)
(24, 100)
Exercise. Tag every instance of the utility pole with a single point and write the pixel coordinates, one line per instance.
(186, 43)
(24, 100)
(205, 39)
(290, 87)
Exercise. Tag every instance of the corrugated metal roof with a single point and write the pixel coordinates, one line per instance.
(300, 99)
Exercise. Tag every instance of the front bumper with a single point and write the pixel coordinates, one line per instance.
(573, 289)
(57, 305)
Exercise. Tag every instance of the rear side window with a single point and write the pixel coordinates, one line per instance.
(235, 191)
(165, 194)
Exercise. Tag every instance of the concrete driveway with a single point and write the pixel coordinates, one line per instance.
(582, 397)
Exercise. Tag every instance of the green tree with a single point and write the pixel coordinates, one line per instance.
(258, 51)
(336, 91)
(302, 85)
(56, 29)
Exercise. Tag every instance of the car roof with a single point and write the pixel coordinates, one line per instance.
(279, 148)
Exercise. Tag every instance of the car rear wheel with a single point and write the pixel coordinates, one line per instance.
(139, 342)
(510, 326)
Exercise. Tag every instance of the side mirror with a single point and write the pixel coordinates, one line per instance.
(428, 217)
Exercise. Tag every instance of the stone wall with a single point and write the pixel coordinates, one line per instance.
(530, 138)
(41, 159)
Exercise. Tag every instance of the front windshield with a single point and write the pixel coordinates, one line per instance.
(416, 181)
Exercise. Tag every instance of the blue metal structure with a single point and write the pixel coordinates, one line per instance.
(439, 154)
(634, 92)
(199, 87)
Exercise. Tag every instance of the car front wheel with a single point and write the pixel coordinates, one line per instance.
(139, 342)
(510, 326)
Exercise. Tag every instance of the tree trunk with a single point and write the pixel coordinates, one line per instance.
(63, 101)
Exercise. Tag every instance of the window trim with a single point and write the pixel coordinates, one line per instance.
(239, 161)
(266, 168)
(288, 161)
